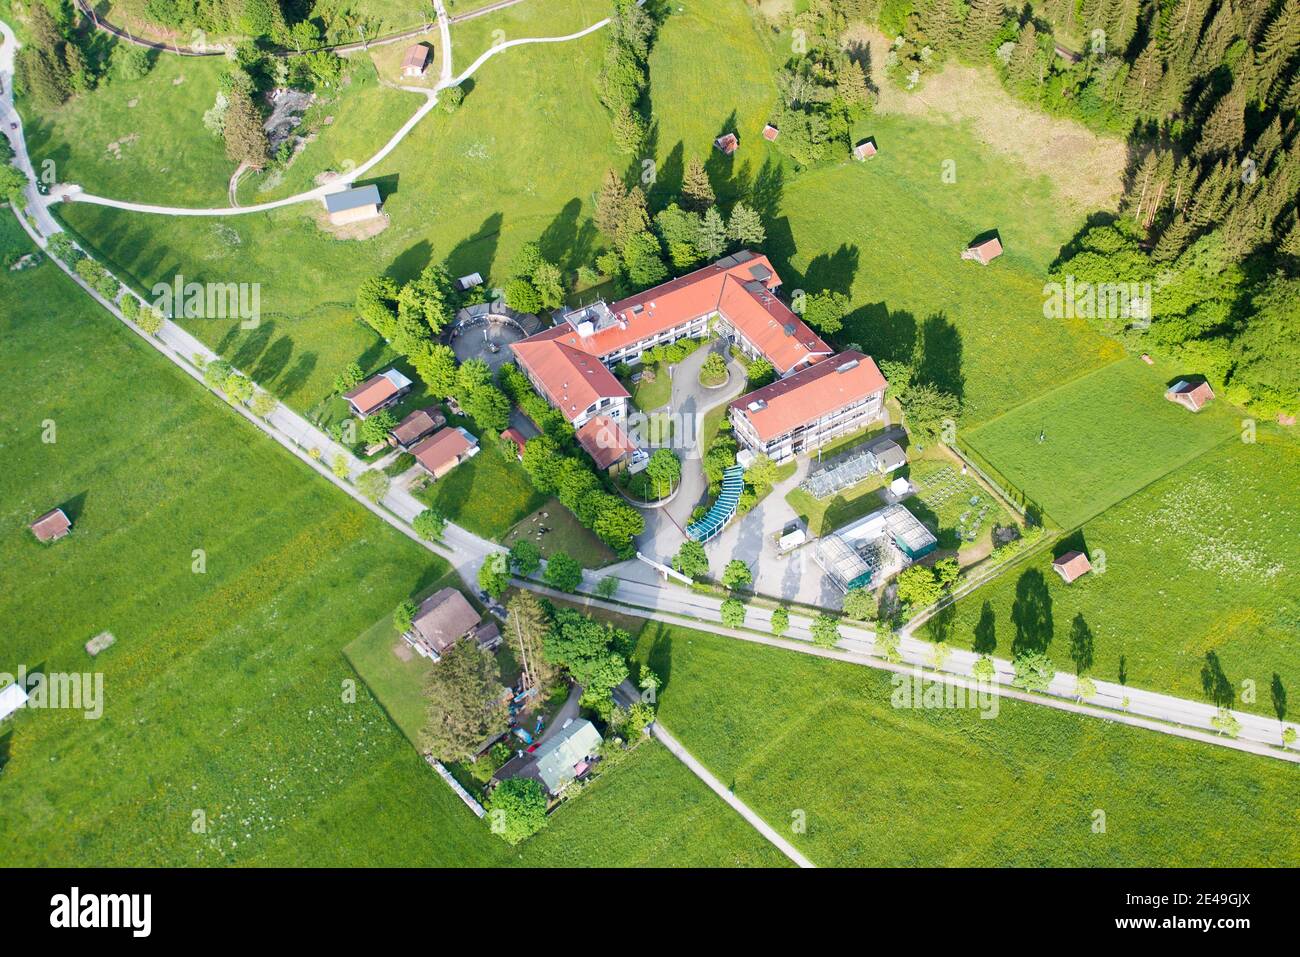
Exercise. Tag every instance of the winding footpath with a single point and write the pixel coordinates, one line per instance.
(72, 193)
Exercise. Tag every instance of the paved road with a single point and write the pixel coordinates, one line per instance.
(1154, 711)
(466, 551)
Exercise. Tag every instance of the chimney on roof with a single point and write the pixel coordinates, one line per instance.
(789, 328)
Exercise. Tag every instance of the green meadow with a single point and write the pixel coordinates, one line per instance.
(234, 731)
(1093, 441)
(815, 744)
(139, 140)
(1204, 561)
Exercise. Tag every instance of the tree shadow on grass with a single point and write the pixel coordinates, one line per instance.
(660, 657)
(986, 639)
(1215, 683)
(1031, 613)
(1278, 693)
(409, 264)
(880, 333)
(477, 252)
(939, 355)
(568, 242)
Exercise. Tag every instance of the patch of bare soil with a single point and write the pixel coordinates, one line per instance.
(365, 229)
(402, 651)
(114, 148)
(1087, 169)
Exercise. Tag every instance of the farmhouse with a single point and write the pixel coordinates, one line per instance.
(566, 755)
(1190, 395)
(873, 548)
(1071, 565)
(864, 150)
(983, 252)
(416, 60)
(417, 425)
(727, 143)
(609, 446)
(444, 450)
(378, 392)
(51, 526)
(443, 619)
(804, 411)
(352, 205)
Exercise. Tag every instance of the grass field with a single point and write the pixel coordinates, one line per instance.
(879, 786)
(345, 130)
(458, 189)
(1105, 436)
(1207, 559)
(566, 534)
(531, 18)
(487, 494)
(140, 140)
(225, 691)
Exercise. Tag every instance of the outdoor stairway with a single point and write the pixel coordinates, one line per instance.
(733, 482)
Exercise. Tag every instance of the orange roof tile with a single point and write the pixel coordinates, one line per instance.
(604, 440)
(757, 312)
(811, 393)
(571, 379)
(441, 449)
(770, 325)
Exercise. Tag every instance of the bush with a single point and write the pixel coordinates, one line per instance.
(736, 574)
(563, 573)
(430, 524)
(825, 631)
(860, 604)
(403, 615)
(525, 556)
(1034, 671)
(714, 370)
(733, 612)
(373, 485)
(517, 809)
(494, 575)
(780, 621)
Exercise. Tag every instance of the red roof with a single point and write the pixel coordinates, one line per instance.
(375, 391)
(770, 133)
(416, 56)
(1071, 565)
(986, 251)
(1191, 395)
(739, 286)
(442, 449)
(864, 149)
(810, 394)
(53, 524)
(515, 438)
(727, 143)
(605, 441)
(571, 379)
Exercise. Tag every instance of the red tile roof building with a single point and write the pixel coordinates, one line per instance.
(605, 441)
(51, 526)
(804, 411)
(1071, 565)
(985, 252)
(727, 143)
(864, 150)
(740, 290)
(443, 619)
(378, 392)
(416, 60)
(444, 450)
(516, 440)
(1190, 395)
(770, 133)
(417, 425)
